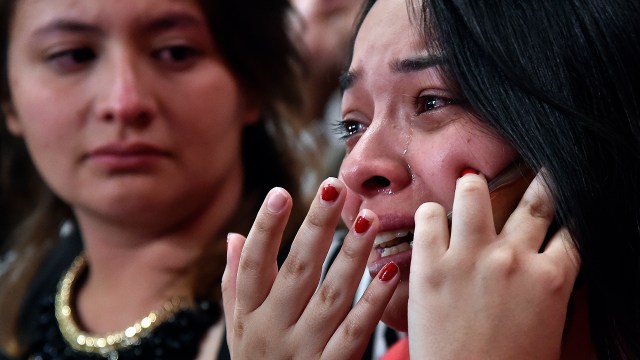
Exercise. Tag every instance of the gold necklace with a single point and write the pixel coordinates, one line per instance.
(89, 343)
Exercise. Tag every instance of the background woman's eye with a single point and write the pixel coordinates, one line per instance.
(426, 103)
(72, 59)
(178, 55)
(347, 128)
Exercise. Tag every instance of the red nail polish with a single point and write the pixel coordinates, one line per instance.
(362, 224)
(388, 272)
(329, 193)
(469, 171)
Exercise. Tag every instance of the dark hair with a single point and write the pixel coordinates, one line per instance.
(254, 39)
(560, 80)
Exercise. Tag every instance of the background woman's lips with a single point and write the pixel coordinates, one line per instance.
(127, 156)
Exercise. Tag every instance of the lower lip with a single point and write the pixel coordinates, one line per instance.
(126, 162)
(402, 259)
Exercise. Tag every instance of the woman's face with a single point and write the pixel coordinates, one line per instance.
(408, 139)
(127, 107)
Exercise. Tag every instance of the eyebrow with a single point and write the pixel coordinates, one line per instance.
(67, 25)
(418, 63)
(164, 22)
(173, 20)
(404, 66)
(347, 79)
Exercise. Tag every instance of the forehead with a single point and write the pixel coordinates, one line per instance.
(34, 13)
(390, 30)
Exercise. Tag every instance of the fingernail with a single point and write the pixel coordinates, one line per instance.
(388, 272)
(329, 193)
(362, 224)
(229, 236)
(277, 200)
(469, 171)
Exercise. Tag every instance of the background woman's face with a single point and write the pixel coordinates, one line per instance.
(408, 137)
(128, 109)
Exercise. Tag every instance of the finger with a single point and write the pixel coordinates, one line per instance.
(472, 219)
(351, 338)
(562, 248)
(299, 276)
(431, 234)
(332, 301)
(235, 243)
(258, 262)
(528, 224)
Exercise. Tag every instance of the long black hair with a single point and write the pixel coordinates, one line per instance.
(560, 80)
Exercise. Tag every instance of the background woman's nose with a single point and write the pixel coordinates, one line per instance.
(125, 95)
(376, 164)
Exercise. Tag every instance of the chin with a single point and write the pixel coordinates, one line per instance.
(395, 314)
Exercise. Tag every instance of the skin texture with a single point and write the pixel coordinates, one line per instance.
(471, 292)
(404, 150)
(133, 118)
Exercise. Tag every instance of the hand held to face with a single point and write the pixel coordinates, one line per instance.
(506, 190)
(276, 314)
(471, 289)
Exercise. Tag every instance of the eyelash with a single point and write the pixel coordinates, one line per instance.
(69, 59)
(346, 128)
(424, 103)
(72, 59)
(177, 54)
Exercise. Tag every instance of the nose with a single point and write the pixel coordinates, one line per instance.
(125, 92)
(377, 163)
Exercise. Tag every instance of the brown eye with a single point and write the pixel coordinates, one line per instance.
(70, 60)
(178, 55)
(347, 128)
(426, 103)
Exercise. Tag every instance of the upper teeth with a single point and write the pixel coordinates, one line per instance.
(383, 237)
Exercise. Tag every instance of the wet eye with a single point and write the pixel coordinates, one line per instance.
(426, 103)
(72, 59)
(180, 55)
(348, 128)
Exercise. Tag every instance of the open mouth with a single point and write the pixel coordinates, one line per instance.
(393, 242)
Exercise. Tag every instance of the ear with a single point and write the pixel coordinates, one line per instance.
(11, 117)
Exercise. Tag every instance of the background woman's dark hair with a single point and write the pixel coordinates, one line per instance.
(560, 80)
(255, 41)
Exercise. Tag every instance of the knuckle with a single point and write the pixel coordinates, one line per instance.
(538, 207)
(295, 267)
(349, 252)
(329, 295)
(248, 264)
(555, 280)
(352, 331)
(262, 225)
(430, 211)
(238, 326)
(472, 186)
(504, 261)
(315, 221)
(368, 299)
